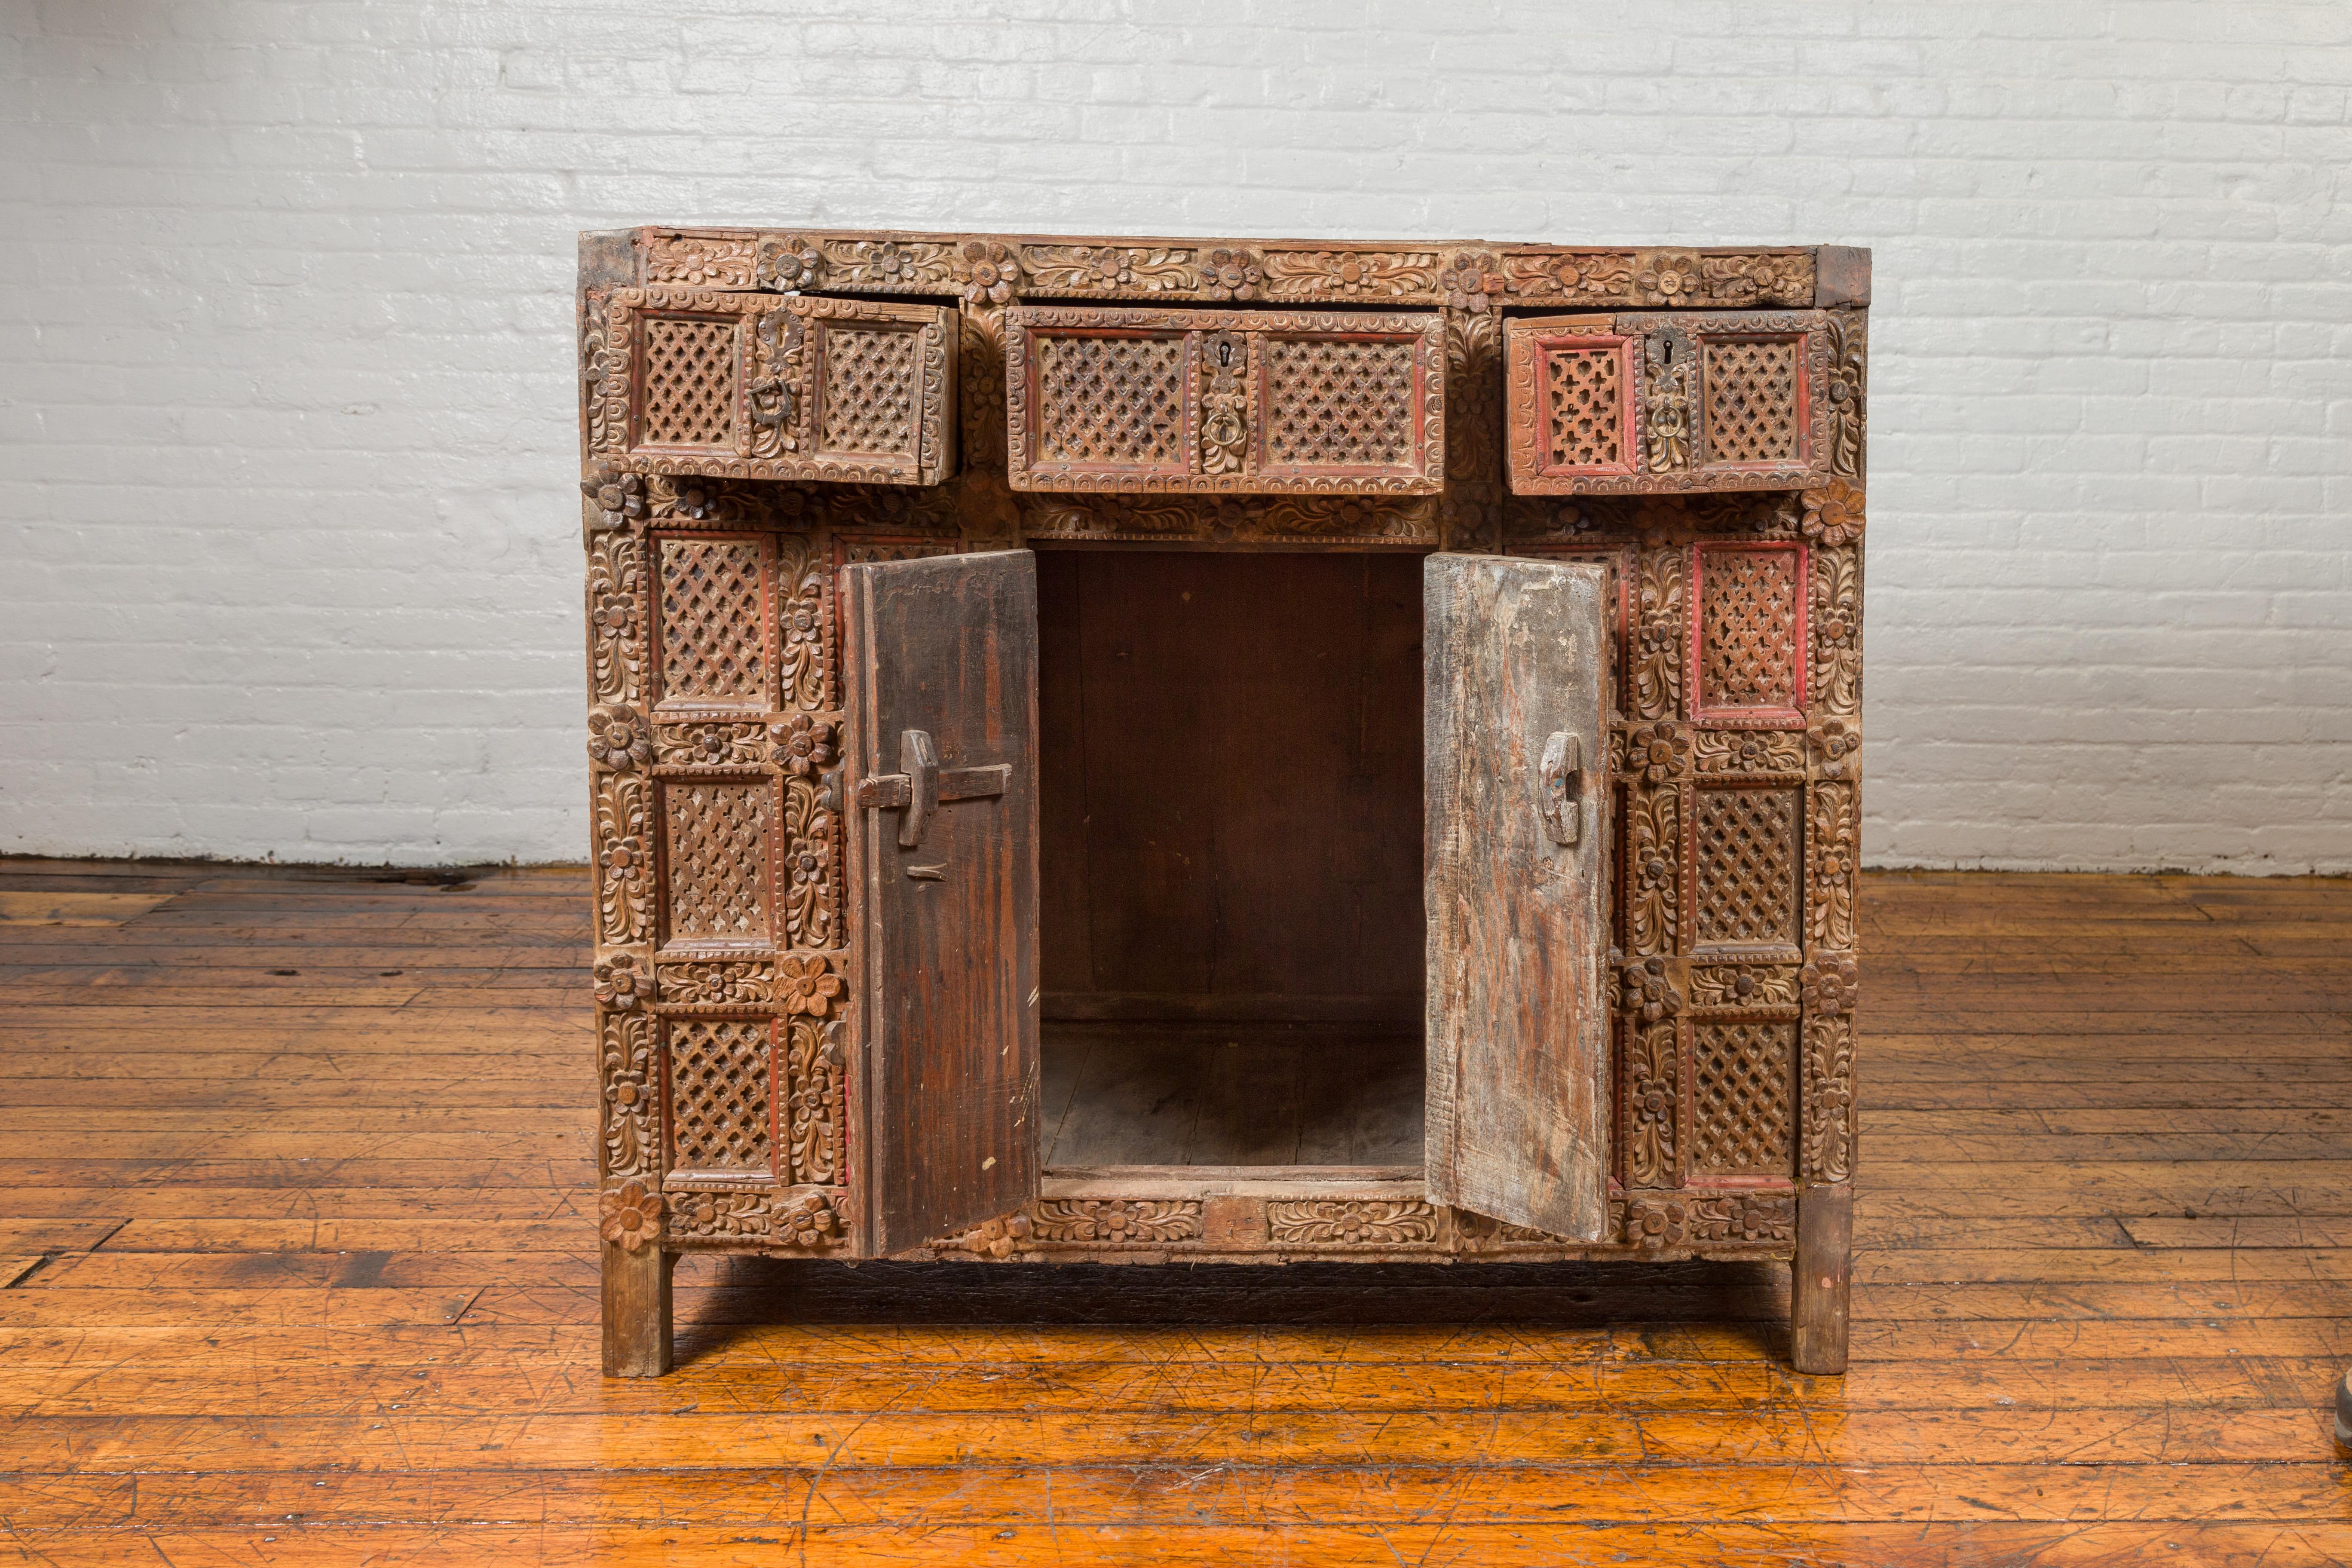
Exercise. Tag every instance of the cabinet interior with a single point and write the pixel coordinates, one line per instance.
(1230, 856)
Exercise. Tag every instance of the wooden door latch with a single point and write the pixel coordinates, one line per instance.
(921, 785)
(1558, 785)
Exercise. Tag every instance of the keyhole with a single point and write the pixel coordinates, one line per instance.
(1666, 351)
(1224, 355)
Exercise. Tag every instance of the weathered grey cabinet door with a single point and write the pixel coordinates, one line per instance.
(942, 658)
(1515, 753)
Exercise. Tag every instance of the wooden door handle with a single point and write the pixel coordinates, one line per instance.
(921, 785)
(1559, 787)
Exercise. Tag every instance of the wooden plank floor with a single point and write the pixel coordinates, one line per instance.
(299, 1270)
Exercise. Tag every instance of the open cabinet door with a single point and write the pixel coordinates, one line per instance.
(1514, 762)
(943, 656)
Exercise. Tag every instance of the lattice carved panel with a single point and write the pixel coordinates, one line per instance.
(1584, 391)
(691, 372)
(1742, 1120)
(721, 1099)
(1572, 409)
(872, 397)
(713, 615)
(1339, 403)
(1748, 634)
(1746, 860)
(717, 839)
(1134, 399)
(1752, 412)
(1112, 402)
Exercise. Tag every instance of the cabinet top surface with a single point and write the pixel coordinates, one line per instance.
(997, 268)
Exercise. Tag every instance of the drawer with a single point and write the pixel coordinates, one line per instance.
(1712, 401)
(776, 386)
(1243, 402)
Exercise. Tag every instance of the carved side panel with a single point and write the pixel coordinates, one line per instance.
(722, 1109)
(1744, 1099)
(1748, 634)
(1747, 860)
(717, 869)
(714, 618)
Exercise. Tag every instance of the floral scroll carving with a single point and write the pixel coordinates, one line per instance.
(632, 1128)
(1829, 1098)
(1836, 854)
(1757, 985)
(1350, 1222)
(1591, 277)
(698, 262)
(1836, 627)
(1653, 1103)
(1657, 1223)
(805, 620)
(812, 864)
(815, 1106)
(892, 266)
(1656, 664)
(1350, 274)
(1653, 869)
(1741, 752)
(801, 1220)
(710, 742)
(623, 858)
(714, 982)
(1116, 1221)
(617, 618)
(1845, 393)
(1109, 269)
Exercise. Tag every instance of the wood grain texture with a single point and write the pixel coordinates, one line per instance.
(947, 646)
(1231, 785)
(315, 1281)
(1518, 1035)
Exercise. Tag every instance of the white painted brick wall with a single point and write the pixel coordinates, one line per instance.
(285, 366)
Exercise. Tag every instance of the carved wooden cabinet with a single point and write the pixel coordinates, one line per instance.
(1163, 749)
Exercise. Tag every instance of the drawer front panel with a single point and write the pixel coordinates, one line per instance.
(776, 386)
(1238, 402)
(1688, 402)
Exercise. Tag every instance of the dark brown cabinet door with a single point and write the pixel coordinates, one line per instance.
(1515, 753)
(1687, 401)
(943, 758)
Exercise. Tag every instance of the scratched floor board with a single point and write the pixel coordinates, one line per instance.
(304, 1277)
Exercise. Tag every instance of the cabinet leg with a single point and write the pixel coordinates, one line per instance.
(636, 1310)
(1820, 1305)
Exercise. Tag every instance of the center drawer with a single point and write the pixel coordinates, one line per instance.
(1244, 402)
